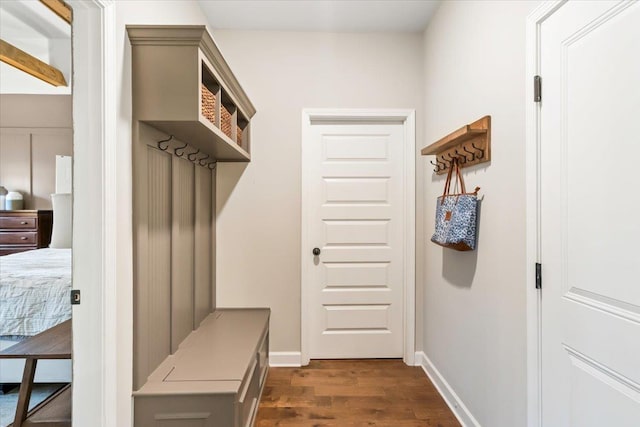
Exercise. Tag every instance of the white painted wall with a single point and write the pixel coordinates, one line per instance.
(474, 303)
(258, 218)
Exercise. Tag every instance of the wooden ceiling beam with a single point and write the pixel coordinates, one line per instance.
(60, 8)
(31, 65)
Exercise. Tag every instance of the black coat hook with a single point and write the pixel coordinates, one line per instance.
(164, 140)
(214, 163)
(181, 149)
(470, 152)
(193, 155)
(202, 160)
(437, 165)
(461, 157)
(473, 144)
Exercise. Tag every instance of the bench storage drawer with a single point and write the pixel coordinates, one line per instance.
(215, 378)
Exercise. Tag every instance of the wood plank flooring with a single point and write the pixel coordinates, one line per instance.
(351, 393)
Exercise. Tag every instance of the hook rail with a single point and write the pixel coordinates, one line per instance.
(469, 145)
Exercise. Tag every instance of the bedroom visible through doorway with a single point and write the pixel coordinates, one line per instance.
(36, 193)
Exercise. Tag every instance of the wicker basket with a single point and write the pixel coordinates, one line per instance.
(225, 121)
(208, 101)
(239, 134)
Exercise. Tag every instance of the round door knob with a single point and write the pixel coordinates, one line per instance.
(316, 251)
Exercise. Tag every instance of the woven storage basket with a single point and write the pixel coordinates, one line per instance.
(225, 121)
(208, 101)
(239, 134)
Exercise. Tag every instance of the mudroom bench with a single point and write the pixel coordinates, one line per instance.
(216, 376)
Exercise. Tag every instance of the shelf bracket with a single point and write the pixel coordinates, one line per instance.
(471, 145)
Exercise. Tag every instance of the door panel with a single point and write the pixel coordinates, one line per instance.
(590, 298)
(362, 317)
(356, 286)
(354, 190)
(370, 232)
(352, 274)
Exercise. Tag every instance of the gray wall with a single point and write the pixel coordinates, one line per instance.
(258, 204)
(33, 130)
(474, 303)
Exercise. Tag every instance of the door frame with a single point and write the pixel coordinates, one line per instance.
(100, 393)
(533, 212)
(407, 118)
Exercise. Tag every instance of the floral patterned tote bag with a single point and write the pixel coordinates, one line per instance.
(456, 214)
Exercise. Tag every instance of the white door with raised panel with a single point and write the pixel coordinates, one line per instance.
(355, 223)
(590, 215)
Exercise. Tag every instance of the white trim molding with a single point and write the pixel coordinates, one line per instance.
(407, 118)
(454, 402)
(285, 359)
(534, 385)
(96, 392)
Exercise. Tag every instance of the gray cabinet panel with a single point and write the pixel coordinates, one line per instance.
(182, 251)
(153, 310)
(202, 256)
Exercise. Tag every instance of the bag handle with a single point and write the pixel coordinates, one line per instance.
(459, 179)
(459, 176)
(447, 183)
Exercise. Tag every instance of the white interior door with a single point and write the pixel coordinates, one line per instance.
(354, 176)
(590, 210)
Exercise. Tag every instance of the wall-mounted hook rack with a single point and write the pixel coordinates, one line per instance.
(472, 141)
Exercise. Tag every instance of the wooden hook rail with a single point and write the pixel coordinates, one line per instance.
(471, 145)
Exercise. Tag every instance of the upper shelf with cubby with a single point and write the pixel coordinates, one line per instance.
(183, 86)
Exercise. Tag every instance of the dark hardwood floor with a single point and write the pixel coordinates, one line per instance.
(349, 393)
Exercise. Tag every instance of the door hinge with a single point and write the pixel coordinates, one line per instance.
(537, 89)
(538, 275)
(75, 296)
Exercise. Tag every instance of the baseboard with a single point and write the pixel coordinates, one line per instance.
(458, 408)
(285, 359)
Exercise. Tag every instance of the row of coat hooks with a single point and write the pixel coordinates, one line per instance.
(442, 163)
(470, 145)
(193, 156)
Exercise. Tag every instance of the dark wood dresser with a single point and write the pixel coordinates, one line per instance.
(24, 230)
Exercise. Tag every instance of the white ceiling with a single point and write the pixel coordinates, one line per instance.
(33, 28)
(30, 19)
(320, 15)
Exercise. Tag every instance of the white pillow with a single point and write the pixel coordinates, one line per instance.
(61, 234)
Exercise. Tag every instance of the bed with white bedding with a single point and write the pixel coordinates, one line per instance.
(34, 296)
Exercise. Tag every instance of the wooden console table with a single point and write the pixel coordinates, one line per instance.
(54, 343)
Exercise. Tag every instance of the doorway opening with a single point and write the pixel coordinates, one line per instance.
(36, 161)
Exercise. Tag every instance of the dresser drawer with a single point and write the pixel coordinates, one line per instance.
(18, 238)
(18, 223)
